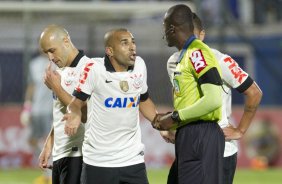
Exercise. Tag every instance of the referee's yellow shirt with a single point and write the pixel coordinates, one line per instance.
(196, 61)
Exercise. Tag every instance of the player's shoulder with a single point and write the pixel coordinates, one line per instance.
(218, 54)
(86, 59)
(174, 57)
(139, 59)
(139, 62)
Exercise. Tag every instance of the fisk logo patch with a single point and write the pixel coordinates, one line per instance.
(84, 75)
(127, 102)
(237, 72)
(198, 61)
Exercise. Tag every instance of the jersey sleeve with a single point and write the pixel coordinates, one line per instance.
(232, 74)
(145, 85)
(171, 65)
(86, 83)
(204, 67)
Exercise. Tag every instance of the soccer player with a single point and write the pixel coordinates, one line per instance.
(112, 150)
(67, 151)
(199, 141)
(233, 77)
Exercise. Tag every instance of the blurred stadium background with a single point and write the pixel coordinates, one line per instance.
(248, 30)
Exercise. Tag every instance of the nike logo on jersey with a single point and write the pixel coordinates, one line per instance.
(108, 81)
(237, 72)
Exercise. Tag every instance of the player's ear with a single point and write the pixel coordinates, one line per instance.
(66, 41)
(109, 51)
(202, 35)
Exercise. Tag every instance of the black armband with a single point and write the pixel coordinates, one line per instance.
(245, 85)
(144, 97)
(211, 76)
(80, 95)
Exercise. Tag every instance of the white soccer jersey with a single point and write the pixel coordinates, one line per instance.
(113, 135)
(233, 77)
(64, 145)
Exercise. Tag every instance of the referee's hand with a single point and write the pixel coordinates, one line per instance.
(163, 121)
(168, 136)
(72, 123)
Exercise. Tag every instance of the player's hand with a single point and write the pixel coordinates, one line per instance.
(52, 79)
(72, 123)
(163, 121)
(168, 136)
(25, 118)
(232, 133)
(44, 158)
(25, 115)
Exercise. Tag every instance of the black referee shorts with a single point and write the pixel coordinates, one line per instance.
(67, 170)
(134, 174)
(199, 151)
(172, 175)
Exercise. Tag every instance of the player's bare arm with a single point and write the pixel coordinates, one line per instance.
(52, 79)
(73, 116)
(46, 151)
(148, 109)
(253, 97)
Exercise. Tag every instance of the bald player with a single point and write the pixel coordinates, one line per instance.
(112, 151)
(66, 150)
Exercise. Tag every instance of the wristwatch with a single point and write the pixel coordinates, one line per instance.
(175, 117)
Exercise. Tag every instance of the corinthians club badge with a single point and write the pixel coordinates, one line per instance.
(124, 86)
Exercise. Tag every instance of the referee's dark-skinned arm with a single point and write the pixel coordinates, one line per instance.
(210, 101)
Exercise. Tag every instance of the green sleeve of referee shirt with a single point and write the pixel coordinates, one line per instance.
(210, 101)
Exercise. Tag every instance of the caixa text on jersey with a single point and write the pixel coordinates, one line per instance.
(126, 102)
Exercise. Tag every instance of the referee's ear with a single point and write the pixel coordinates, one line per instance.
(109, 51)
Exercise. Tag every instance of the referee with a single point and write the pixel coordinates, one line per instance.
(197, 84)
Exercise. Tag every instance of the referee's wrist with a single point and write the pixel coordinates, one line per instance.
(175, 117)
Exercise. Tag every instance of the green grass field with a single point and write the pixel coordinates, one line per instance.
(156, 176)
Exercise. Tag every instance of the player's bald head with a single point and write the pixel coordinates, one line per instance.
(53, 33)
(180, 15)
(110, 35)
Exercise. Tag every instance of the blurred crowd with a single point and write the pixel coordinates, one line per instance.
(253, 11)
(215, 11)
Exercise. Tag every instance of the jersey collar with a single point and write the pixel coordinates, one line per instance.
(185, 47)
(77, 58)
(110, 67)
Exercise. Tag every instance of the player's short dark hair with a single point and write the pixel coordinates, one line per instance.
(109, 35)
(197, 22)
